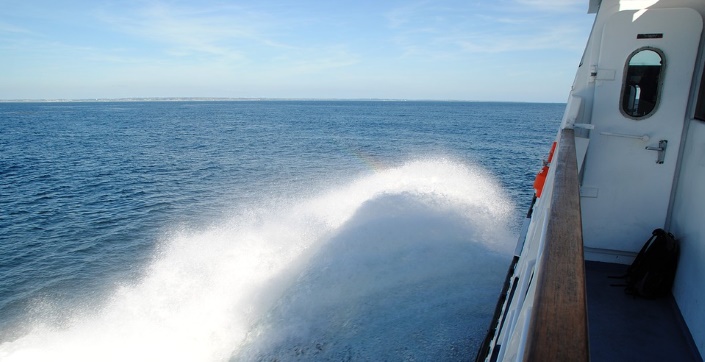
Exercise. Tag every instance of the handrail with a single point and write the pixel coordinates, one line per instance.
(642, 137)
(558, 329)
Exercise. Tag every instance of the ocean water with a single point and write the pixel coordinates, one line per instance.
(260, 230)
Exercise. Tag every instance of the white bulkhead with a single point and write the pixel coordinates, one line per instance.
(637, 110)
(640, 88)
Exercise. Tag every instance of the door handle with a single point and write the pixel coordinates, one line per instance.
(661, 148)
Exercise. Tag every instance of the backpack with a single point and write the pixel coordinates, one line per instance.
(652, 272)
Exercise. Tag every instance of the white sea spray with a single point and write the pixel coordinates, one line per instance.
(402, 263)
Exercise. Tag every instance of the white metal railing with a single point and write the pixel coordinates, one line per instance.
(544, 314)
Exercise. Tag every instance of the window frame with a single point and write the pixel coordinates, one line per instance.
(659, 86)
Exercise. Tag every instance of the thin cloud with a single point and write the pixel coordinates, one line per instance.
(435, 32)
(10, 28)
(554, 39)
(236, 34)
(216, 31)
(552, 5)
(403, 15)
(513, 39)
(336, 58)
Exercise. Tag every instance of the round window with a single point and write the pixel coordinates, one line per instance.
(642, 83)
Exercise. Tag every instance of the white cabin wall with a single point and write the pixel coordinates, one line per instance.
(688, 225)
(688, 212)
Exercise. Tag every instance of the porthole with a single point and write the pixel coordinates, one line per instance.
(643, 76)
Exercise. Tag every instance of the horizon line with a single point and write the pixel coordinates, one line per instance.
(235, 99)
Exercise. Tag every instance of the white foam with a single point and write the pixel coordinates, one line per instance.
(257, 285)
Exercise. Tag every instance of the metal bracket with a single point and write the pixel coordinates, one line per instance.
(661, 150)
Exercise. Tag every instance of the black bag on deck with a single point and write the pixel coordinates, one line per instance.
(652, 272)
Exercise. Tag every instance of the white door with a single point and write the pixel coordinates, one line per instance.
(627, 182)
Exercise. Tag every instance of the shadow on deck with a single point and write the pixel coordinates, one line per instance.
(626, 328)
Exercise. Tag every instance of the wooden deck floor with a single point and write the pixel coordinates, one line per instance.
(625, 328)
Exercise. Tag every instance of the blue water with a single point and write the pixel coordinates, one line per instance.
(262, 230)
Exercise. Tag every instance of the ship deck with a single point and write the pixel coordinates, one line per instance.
(626, 328)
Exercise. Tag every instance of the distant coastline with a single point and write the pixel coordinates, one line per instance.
(153, 99)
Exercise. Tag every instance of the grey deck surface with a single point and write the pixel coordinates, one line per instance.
(625, 328)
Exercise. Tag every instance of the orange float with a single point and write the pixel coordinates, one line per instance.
(541, 176)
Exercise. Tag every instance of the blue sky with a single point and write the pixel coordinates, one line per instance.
(494, 50)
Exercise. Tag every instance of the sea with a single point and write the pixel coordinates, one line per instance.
(270, 230)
